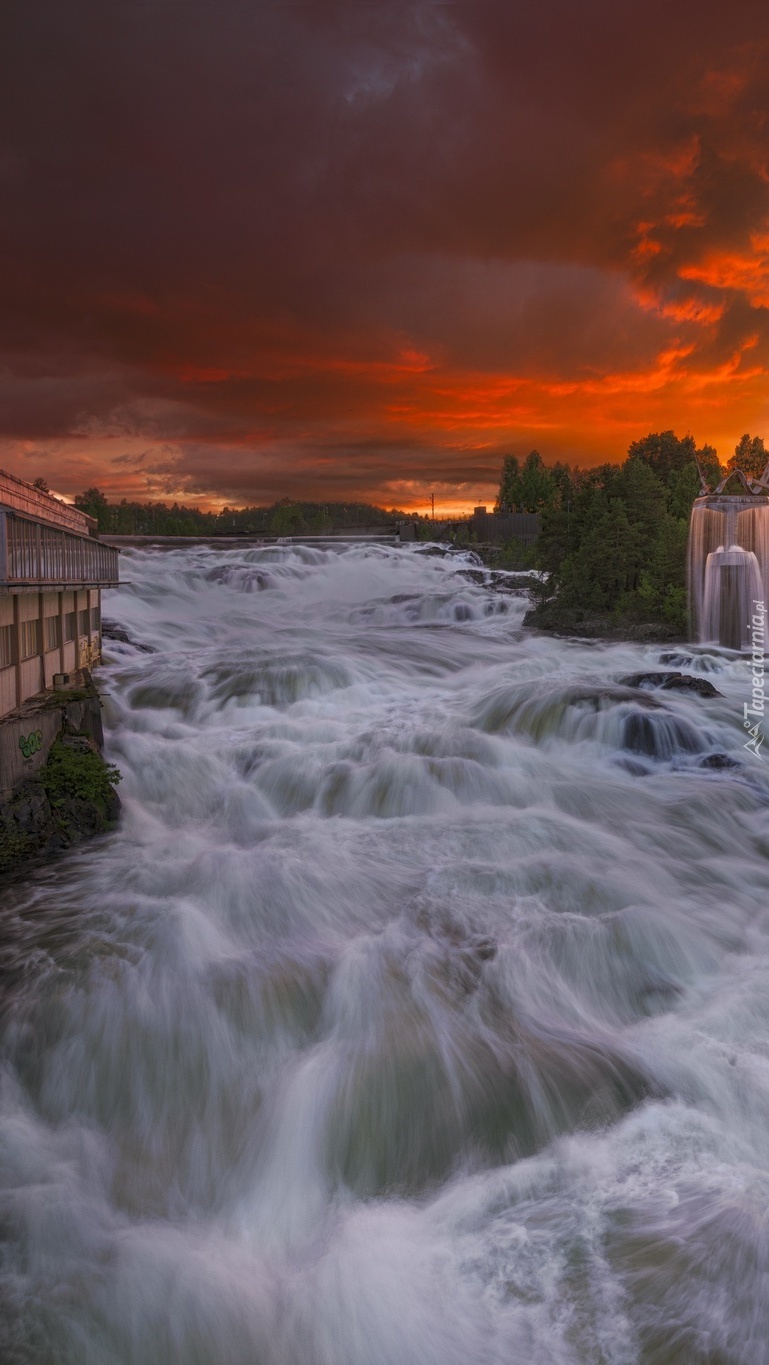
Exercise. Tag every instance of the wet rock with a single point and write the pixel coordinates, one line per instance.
(111, 631)
(718, 761)
(482, 946)
(29, 810)
(49, 812)
(672, 682)
(676, 659)
(520, 583)
(660, 736)
(632, 766)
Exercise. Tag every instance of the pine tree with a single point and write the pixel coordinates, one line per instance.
(750, 456)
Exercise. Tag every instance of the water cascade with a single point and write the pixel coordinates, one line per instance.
(728, 562)
(415, 1014)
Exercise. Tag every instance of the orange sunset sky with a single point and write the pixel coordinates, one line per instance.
(346, 250)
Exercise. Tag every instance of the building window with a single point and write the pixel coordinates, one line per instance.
(31, 639)
(7, 650)
(52, 632)
(95, 619)
(84, 621)
(70, 626)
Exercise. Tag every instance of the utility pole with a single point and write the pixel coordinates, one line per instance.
(432, 505)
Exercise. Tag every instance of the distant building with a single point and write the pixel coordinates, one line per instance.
(502, 527)
(52, 570)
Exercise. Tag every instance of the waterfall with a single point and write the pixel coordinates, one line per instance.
(415, 1012)
(728, 566)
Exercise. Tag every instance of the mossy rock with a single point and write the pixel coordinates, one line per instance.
(72, 798)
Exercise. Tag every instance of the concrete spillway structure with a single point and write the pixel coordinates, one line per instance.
(728, 565)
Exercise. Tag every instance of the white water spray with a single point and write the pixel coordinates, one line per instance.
(416, 1013)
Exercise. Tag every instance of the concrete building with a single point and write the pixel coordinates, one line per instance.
(52, 570)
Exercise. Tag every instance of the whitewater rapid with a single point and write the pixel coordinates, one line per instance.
(417, 1013)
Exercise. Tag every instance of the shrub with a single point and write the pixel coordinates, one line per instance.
(77, 772)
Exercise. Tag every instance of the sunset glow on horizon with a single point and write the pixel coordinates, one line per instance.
(353, 253)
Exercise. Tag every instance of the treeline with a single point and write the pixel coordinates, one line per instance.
(283, 518)
(613, 539)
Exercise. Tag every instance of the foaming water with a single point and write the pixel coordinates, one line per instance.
(417, 1010)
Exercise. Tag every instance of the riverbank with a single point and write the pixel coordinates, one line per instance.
(557, 620)
(55, 787)
(554, 619)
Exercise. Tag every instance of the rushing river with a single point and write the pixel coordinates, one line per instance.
(417, 1013)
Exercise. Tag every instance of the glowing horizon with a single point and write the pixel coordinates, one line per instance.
(463, 233)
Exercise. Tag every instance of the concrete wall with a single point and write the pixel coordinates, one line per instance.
(25, 741)
(14, 765)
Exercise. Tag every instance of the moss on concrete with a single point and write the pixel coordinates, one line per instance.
(71, 798)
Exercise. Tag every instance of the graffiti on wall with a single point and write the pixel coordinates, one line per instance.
(31, 744)
(90, 653)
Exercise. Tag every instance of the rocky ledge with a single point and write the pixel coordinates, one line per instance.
(71, 797)
(671, 682)
(557, 620)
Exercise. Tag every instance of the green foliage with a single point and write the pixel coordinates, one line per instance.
(682, 487)
(63, 696)
(14, 844)
(508, 485)
(615, 544)
(533, 487)
(94, 503)
(283, 518)
(666, 454)
(514, 554)
(75, 772)
(425, 530)
(750, 455)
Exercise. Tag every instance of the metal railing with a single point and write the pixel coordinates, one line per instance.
(31, 553)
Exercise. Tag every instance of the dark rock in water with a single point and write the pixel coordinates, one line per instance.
(672, 682)
(659, 736)
(632, 766)
(718, 761)
(111, 631)
(466, 557)
(515, 583)
(676, 659)
(498, 581)
(483, 947)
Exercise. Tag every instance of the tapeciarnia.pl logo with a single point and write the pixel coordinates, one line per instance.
(756, 706)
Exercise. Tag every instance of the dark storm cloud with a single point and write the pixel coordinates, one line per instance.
(403, 232)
